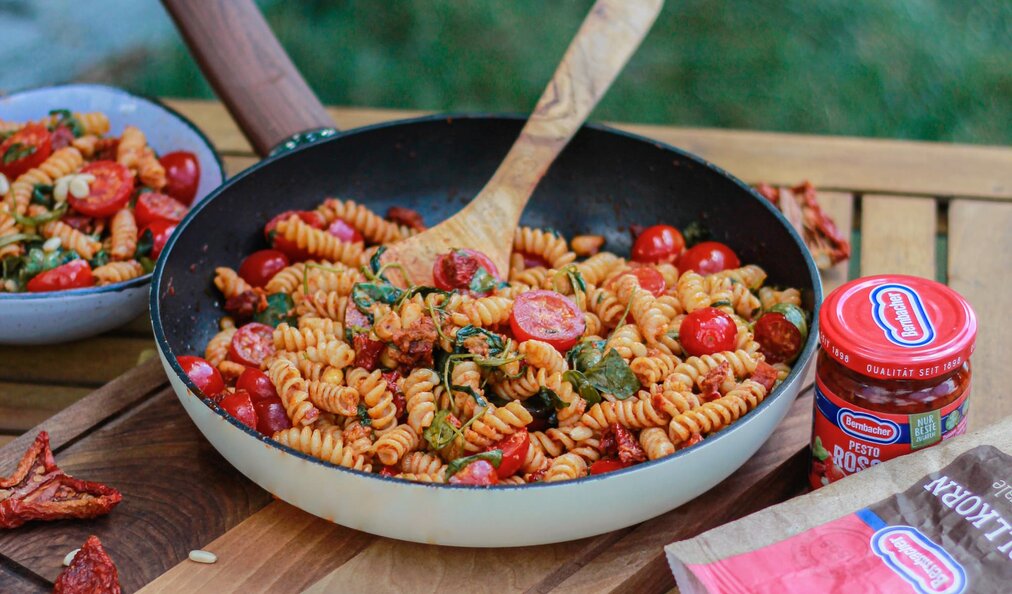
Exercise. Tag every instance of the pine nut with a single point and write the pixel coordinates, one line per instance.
(79, 187)
(203, 557)
(5, 185)
(60, 189)
(70, 557)
(52, 244)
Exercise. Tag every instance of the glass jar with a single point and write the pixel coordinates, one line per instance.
(893, 375)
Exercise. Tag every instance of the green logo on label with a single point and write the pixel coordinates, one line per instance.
(925, 430)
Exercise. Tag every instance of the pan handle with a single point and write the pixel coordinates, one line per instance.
(249, 70)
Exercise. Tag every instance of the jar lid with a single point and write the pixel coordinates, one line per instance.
(895, 326)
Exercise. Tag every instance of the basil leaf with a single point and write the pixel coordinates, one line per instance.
(42, 194)
(67, 119)
(441, 432)
(493, 456)
(472, 393)
(484, 282)
(423, 291)
(363, 415)
(550, 398)
(695, 233)
(16, 237)
(375, 265)
(495, 342)
(144, 244)
(613, 376)
(147, 264)
(279, 309)
(18, 151)
(42, 218)
(585, 354)
(365, 295)
(583, 387)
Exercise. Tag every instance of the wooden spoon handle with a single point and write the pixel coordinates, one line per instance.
(249, 70)
(606, 40)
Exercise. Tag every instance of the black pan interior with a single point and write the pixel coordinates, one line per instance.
(603, 182)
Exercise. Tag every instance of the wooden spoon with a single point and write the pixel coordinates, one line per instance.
(605, 42)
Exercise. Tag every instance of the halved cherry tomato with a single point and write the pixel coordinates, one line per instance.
(607, 465)
(251, 344)
(109, 191)
(456, 268)
(239, 405)
(345, 232)
(271, 416)
(547, 316)
(649, 278)
(779, 340)
(260, 266)
(26, 148)
(160, 232)
(707, 331)
(203, 374)
(659, 243)
(310, 217)
(514, 452)
(182, 175)
(155, 206)
(479, 472)
(72, 275)
(257, 384)
(708, 257)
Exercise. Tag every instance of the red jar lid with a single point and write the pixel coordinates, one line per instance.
(894, 326)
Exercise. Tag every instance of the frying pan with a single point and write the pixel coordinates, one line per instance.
(603, 181)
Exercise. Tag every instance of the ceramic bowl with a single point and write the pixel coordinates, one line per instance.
(49, 318)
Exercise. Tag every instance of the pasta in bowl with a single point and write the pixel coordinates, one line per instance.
(188, 307)
(94, 179)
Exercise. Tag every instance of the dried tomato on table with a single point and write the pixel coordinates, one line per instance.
(828, 245)
(91, 571)
(39, 490)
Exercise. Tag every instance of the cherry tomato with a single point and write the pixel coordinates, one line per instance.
(62, 137)
(154, 206)
(344, 232)
(182, 175)
(607, 465)
(72, 275)
(240, 406)
(649, 278)
(26, 148)
(479, 472)
(659, 243)
(257, 384)
(708, 257)
(455, 269)
(160, 232)
(514, 452)
(109, 191)
(547, 316)
(251, 344)
(779, 340)
(203, 374)
(707, 331)
(271, 416)
(260, 266)
(310, 217)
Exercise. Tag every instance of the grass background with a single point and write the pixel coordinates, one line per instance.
(916, 69)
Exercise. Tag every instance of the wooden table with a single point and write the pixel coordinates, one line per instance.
(933, 210)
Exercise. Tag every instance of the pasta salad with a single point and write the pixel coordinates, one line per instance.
(83, 208)
(576, 361)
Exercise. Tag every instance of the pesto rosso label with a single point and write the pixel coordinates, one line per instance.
(847, 438)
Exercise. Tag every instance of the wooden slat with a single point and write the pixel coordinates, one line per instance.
(12, 580)
(840, 207)
(85, 362)
(22, 406)
(842, 163)
(980, 241)
(236, 163)
(898, 236)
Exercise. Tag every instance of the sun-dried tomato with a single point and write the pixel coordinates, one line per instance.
(39, 490)
(769, 192)
(407, 217)
(91, 572)
(607, 443)
(243, 306)
(367, 351)
(629, 450)
(400, 403)
(415, 342)
(765, 374)
(536, 476)
(715, 378)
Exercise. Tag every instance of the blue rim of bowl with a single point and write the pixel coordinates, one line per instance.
(800, 364)
(144, 279)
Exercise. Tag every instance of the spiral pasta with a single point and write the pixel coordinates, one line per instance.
(655, 443)
(543, 356)
(117, 272)
(61, 162)
(395, 444)
(627, 342)
(341, 400)
(494, 425)
(631, 413)
(217, 348)
(325, 445)
(716, 414)
(689, 372)
(419, 398)
(373, 227)
(71, 239)
(229, 282)
(548, 246)
(375, 395)
(483, 312)
(293, 392)
(691, 291)
(566, 468)
(318, 242)
(123, 235)
(422, 463)
(134, 154)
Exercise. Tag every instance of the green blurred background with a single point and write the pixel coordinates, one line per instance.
(917, 69)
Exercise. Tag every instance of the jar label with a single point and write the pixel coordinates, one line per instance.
(847, 438)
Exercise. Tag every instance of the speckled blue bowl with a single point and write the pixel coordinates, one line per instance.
(50, 318)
